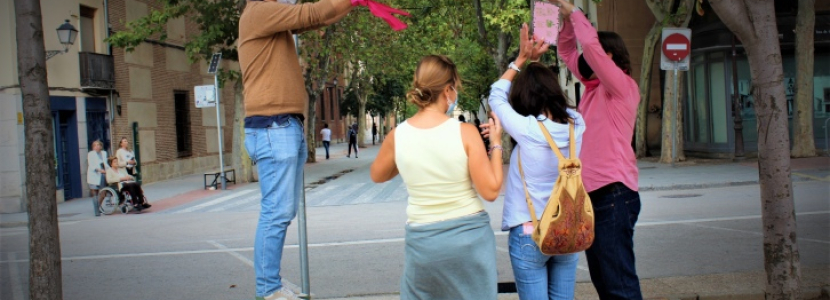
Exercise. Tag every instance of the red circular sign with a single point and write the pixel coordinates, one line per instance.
(676, 47)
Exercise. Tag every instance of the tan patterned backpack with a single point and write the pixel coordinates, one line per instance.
(567, 224)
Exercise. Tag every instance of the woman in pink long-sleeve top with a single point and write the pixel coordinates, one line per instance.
(609, 107)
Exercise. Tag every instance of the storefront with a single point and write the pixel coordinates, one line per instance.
(708, 112)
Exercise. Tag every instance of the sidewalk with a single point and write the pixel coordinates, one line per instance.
(744, 286)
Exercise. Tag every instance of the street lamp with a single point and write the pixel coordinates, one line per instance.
(66, 35)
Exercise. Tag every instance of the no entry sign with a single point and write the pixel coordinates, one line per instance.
(675, 49)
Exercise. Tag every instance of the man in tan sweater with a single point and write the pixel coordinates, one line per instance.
(275, 100)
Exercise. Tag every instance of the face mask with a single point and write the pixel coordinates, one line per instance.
(288, 1)
(452, 105)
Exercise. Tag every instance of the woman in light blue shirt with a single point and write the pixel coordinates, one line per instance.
(535, 97)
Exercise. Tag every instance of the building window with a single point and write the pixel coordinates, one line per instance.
(87, 29)
(323, 106)
(331, 102)
(183, 138)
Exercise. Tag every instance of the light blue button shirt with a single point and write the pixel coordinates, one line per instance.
(538, 160)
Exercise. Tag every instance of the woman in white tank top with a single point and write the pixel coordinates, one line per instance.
(450, 246)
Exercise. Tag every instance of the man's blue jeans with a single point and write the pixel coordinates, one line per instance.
(279, 152)
(611, 256)
(326, 145)
(539, 276)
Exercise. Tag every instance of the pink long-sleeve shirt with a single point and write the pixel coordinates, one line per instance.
(609, 107)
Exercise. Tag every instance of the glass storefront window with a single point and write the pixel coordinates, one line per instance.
(717, 96)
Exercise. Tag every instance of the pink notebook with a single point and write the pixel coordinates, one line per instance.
(546, 21)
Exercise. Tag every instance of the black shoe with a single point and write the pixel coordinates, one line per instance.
(146, 205)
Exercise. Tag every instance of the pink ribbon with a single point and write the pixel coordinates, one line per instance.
(384, 12)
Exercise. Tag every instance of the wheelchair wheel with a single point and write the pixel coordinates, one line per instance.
(108, 198)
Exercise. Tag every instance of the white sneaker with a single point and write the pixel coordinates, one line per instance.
(282, 294)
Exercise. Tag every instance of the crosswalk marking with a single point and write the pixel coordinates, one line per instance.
(215, 201)
(329, 194)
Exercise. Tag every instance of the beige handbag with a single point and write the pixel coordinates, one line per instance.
(567, 224)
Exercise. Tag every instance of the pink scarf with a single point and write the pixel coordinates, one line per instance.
(384, 12)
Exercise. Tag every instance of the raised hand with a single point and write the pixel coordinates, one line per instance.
(565, 7)
(530, 48)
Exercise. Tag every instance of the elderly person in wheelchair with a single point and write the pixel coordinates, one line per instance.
(128, 191)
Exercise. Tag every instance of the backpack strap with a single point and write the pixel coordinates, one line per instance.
(527, 195)
(571, 144)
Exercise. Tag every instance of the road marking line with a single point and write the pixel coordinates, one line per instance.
(812, 177)
(215, 201)
(14, 273)
(657, 223)
(501, 249)
(758, 233)
(582, 268)
(238, 256)
(369, 242)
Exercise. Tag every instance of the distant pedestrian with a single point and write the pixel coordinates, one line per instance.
(126, 157)
(96, 172)
(326, 133)
(609, 172)
(462, 119)
(275, 100)
(450, 249)
(374, 132)
(352, 140)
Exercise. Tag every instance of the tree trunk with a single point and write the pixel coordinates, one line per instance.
(361, 121)
(310, 132)
(241, 161)
(672, 105)
(804, 144)
(45, 282)
(753, 22)
(651, 40)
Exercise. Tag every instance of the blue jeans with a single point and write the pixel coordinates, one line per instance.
(326, 145)
(279, 152)
(611, 257)
(540, 276)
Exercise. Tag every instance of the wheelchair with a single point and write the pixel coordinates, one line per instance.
(111, 199)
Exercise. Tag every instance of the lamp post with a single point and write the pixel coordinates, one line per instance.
(737, 108)
(66, 35)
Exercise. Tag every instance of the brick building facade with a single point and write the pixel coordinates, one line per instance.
(155, 84)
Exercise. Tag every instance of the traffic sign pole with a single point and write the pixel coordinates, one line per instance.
(213, 68)
(675, 49)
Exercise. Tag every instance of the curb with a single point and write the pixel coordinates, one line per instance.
(696, 186)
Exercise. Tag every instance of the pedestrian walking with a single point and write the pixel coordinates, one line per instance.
(534, 96)
(326, 137)
(96, 173)
(374, 132)
(352, 140)
(462, 119)
(449, 245)
(275, 100)
(610, 173)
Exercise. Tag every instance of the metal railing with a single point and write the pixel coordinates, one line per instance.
(97, 71)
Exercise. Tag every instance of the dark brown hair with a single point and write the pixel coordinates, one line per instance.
(536, 91)
(613, 43)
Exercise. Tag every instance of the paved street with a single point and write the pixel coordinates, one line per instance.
(697, 220)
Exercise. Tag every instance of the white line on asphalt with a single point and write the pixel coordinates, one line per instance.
(657, 223)
(502, 249)
(215, 201)
(14, 273)
(245, 260)
(364, 242)
(758, 233)
(238, 256)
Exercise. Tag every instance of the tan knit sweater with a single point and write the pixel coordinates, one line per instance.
(271, 72)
